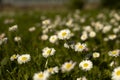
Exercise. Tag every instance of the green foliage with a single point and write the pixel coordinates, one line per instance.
(76, 4)
(111, 4)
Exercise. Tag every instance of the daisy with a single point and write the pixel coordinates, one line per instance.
(13, 57)
(23, 58)
(105, 39)
(116, 74)
(17, 39)
(13, 28)
(48, 52)
(53, 70)
(98, 26)
(87, 28)
(106, 28)
(46, 22)
(3, 40)
(96, 55)
(116, 30)
(68, 66)
(113, 63)
(84, 36)
(69, 23)
(80, 47)
(114, 53)
(53, 38)
(112, 36)
(86, 65)
(41, 76)
(31, 29)
(64, 34)
(66, 45)
(92, 34)
(2, 35)
(82, 78)
(44, 37)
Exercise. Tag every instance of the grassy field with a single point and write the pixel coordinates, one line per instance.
(78, 45)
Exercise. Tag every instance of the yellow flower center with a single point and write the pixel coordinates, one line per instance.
(49, 51)
(24, 58)
(14, 56)
(64, 33)
(68, 65)
(118, 73)
(114, 52)
(50, 69)
(40, 75)
(81, 47)
(95, 54)
(85, 65)
(53, 38)
(84, 36)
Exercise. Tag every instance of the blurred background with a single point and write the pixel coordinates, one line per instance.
(59, 4)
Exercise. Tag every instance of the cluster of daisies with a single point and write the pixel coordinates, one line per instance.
(63, 32)
(85, 65)
(21, 59)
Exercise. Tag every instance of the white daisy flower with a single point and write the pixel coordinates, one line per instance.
(105, 39)
(96, 55)
(46, 22)
(87, 28)
(53, 38)
(116, 74)
(68, 66)
(116, 30)
(113, 63)
(112, 36)
(7, 21)
(17, 39)
(48, 52)
(92, 34)
(53, 70)
(84, 36)
(114, 53)
(69, 23)
(86, 65)
(72, 46)
(31, 29)
(41, 76)
(64, 34)
(13, 57)
(2, 35)
(66, 45)
(3, 40)
(80, 47)
(98, 26)
(23, 58)
(82, 78)
(13, 28)
(106, 28)
(44, 37)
